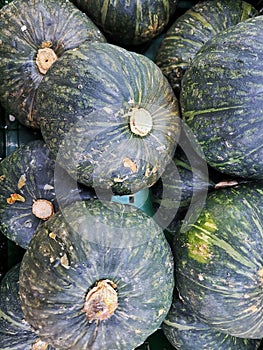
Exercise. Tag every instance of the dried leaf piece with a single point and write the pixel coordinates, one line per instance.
(14, 197)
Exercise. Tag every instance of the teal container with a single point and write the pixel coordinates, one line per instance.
(140, 199)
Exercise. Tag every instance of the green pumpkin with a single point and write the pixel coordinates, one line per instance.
(186, 332)
(109, 116)
(129, 23)
(222, 103)
(191, 30)
(97, 275)
(32, 189)
(183, 185)
(218, 260)
(15, 332)
(33, 34)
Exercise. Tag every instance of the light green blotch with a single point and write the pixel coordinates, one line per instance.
(199, 239)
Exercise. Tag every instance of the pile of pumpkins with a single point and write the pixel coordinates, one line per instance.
(98, 273)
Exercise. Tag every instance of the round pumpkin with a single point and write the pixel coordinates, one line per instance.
(219, 265)
(221, 99)
(109, 116)
(191, 30)
(15, 332)
(97, 275)
(33, 34)
(129, 23)
(29, 192)
(185, 331)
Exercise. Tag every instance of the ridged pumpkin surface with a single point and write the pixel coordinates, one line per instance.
(222, 100)
(78, 251)
(190, 31)
(26, 175)
(33, 33)
(129, 22)
(185, 331)
(110, 117)
(219, 263)
(32, 188)
(15, 332)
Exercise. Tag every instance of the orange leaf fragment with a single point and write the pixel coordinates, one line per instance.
(15, 197)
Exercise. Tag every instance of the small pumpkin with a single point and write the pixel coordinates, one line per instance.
(15, 332)
(185, 331)
(129, 23)
(29, 193)
(222, 103)
(97, 275)
(191, 30)
(109, 116)
(218, 260)
(33, 34)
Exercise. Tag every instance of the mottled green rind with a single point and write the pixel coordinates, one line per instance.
(185, 331)
(190, 31)
(129, 22)
(44, 179)
(101, 240)
(219, 261)
(15, 332)
(83, 103)
(222, 99)
(184, 181)
(24, 26)
(32, 160)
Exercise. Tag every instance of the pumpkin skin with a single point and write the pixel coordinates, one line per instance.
(190, 31)
(29, 193)
(87, 243)
(227, 120)
(129, 23)
(26, 46)
(15, 332)
(183, 185)
(112, 128)
(185, 331)
(219, 262)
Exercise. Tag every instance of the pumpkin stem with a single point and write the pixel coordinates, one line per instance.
(45, 58)
(101, 301)
(140, 121)
(39, 345)
(43, 209)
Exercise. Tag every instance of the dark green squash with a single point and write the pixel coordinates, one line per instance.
(109, 116)
(97, 275)
(15, 332)
(183, 185)
(186, 332)
(190, 31)
(222, 100)
(32, 189)
(132, 22)
(33, 34)
(219, 264)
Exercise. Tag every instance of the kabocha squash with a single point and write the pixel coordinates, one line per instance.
(129, 23)
(97, 275)
(15, 332)
(222, 102)
(218, 261)
(27, 190)
(190, 31)
(183, 185)
(109, 116)
(33, 34)
(186, 332)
